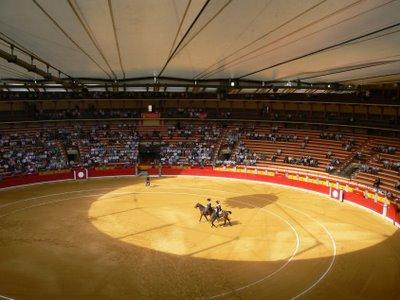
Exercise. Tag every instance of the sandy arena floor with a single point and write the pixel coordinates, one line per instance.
(115, 238)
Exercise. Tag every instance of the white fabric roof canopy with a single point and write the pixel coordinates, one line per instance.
(354, 41)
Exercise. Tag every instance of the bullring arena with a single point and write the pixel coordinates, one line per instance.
(114, 237)
(202, 149)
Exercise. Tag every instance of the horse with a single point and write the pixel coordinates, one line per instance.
(224, 214)
(203, 211)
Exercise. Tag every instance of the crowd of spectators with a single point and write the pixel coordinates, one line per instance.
(244, 156)
(192, 153)
(349, 144)
(272, 137)
(368, 169)
(105, 145)
(28, 154)
(233, 151)
(45, 150)
(101, 144)
(331, 136)
(304, 160)
(199, 150)
(184, 131)
(171, 153)
(385, 149)
(391, 165)
(87, 113)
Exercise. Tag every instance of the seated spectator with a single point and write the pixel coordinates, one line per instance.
(391, 150)
(385, 149)
(330, 168)
(397, 185)
(359, 156)
(377, 182)
(349, 144)
(335, 162)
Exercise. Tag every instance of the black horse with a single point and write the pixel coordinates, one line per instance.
(224, 214)
(203, 211)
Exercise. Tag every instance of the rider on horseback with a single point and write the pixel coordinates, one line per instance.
(218, 209)
(208, 206)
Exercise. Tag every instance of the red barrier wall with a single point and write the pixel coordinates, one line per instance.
(281, 179)
(35, 178)
(111, 172)
(368, 203)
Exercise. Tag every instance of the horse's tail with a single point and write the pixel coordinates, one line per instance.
(229, 212)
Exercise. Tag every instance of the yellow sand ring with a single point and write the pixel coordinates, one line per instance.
(102, 198)
(297, 243)
(191, 217)
(275, 272)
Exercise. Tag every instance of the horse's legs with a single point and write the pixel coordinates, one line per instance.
(229, 222)
(212, 222)
(206, 217)
(201, 216)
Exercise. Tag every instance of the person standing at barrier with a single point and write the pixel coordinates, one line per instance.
(148, 181)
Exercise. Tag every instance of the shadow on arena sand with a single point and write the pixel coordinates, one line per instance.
(251, 201)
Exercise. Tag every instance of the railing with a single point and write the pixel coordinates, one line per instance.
(396, 130)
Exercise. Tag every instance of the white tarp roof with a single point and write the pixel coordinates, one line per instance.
(257, 39)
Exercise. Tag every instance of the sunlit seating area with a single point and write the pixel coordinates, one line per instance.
(201, 143)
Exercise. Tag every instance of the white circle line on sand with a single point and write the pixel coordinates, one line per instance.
(148, 192)
(297, 244)
(231, 179)
(334, 248)
(51, 195)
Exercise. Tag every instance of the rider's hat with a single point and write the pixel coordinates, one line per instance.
(217, 201)
(208, 199)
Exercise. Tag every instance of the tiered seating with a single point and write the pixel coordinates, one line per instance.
(297, 146)
(190, 143)
(42, 147)
(29, 151)
(388, 177)
(114, 144)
